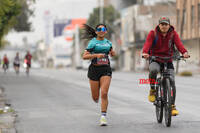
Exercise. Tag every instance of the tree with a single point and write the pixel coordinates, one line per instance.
(110, 15)
(22, 19)
(9, 9)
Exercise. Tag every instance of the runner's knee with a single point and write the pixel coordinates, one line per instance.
(104, 95)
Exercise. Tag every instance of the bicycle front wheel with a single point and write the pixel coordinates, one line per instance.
(168, 102)
(159, 103)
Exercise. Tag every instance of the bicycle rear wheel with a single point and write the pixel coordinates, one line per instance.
(27, 71)
(168, 102)
(159, 103)
(4, 68)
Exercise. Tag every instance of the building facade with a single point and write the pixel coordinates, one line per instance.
(136, 23)
(188, 18)
(188, 27)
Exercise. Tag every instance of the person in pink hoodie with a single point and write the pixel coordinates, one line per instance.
(160, 42)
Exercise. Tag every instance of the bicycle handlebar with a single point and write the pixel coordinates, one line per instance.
(181, 58)
(165, 58)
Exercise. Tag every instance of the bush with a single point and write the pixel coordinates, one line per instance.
(186, 73)
(59, 66)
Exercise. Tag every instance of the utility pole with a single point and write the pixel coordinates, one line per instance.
(77, 48)
(101, 6)
(47, 26)
(181, 29)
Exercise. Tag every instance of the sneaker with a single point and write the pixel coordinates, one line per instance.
(174, 111)
(103, 121)
(152, 95)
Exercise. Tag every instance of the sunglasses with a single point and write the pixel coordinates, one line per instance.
(103, 29)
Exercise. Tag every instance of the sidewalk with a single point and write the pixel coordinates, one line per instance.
(116, 74)
(7, 115)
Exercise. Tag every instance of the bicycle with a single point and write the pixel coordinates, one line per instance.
(27, 70)
(5, 68)
(26, 66)
(164, 91)
(16, 69)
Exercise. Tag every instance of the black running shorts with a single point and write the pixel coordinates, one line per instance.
(29, 65)
(16, 65)
(96, 72)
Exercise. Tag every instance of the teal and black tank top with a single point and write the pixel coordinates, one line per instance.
(99, 46)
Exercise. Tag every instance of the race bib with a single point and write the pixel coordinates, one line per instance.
(102, 61)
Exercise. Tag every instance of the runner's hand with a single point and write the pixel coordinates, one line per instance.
(100, 55)
(145, 55)
(112, 53)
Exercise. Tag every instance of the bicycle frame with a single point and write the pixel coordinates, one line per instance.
(164, 91)
(164, 94)
(165, 74)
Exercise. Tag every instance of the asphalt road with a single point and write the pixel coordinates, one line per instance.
(59, 101)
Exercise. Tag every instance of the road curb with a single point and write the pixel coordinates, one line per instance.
(7, 114)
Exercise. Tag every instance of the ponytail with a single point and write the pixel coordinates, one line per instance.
(89, 32)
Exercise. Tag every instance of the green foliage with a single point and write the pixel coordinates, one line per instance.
(110, 15)
(22, 19)
(9, 10)
(186, 73)
(4, 43)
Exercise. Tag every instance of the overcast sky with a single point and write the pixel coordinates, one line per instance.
(66, 9)
(58, 8)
